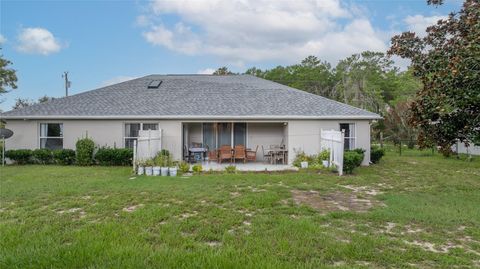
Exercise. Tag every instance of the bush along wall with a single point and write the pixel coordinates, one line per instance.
(376, 153)
(64, 156)
(352, 159)
(85, 148)
(43, 156)
(19, 156)
(113, 156)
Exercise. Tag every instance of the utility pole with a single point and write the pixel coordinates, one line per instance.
(67, 82)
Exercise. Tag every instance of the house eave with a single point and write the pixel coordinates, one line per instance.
(194, 117)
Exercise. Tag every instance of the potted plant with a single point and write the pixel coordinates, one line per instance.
(324, 156)
(158, 162)
(140, 167)
(164, 168)
(149, 167)
(172, 167)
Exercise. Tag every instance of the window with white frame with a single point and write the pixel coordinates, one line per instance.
(132, 129)
(350, 135)
(51, 135)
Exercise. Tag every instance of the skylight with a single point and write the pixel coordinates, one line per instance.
(154, 84)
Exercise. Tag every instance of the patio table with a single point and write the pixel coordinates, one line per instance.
(277, 151)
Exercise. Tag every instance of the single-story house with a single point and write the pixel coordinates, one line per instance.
(205, 109)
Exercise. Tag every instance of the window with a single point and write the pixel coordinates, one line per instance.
(224, 134)
(349, 129)
(240, 134)
(132, 129)
(209, 135)
(51, 135)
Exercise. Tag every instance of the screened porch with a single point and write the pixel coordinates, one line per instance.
(235, 142)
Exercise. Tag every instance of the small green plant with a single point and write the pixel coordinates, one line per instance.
(324, 155)
(85, 148)
(19, 156)
(149, 163)
(64, 156)
(43, 156)
(184, 167)
(302, 157)
(231, 169)
(376, 153)
(159, 160)
(197, 168)
(351, 160)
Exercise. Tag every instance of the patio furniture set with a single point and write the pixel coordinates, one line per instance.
(274, 154)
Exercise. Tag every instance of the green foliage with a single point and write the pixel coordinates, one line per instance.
(42, 156)
(149, 162)
(302, 157)
(114, 156)
(351, 160)
(396, 127)
(447, 60)
(324, 155)
(231, 169)
(64, 156)
(163, 158)
(222, 71)
(359, 151)
(84, 149)
(184, 167)
(8, 78)
(19, 156)
(376, 153)
(197, 168)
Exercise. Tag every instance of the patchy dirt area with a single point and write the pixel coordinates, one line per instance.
(334, 201)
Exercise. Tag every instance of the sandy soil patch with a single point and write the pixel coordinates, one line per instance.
(132, 208)
(213, 243)
(334, 201)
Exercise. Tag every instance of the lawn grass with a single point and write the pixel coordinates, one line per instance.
(427, 214)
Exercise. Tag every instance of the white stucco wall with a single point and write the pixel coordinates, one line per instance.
(300, 134)
(304, 135)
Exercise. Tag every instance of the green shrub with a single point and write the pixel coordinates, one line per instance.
(376, 153)
(351, 160)
(184, 167)
(19, 156)
(64, 156)
(113, 156)
(197, 168)
(85, 148)
(165, 152)
(359, 151)
(302, 157)
(231, 169)
(324, 155)
(42, 156)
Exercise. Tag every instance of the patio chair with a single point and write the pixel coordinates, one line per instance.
(266, 155)
(212, 155)
(252, 155)
(225, 153)
(239, 153)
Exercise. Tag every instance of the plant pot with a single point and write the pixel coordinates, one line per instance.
(325, 163)
(140, 170)
(164, 171)
(172, 171)
(304, 164)
(148, 170)
(156, 170)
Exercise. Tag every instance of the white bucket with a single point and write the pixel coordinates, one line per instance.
(164, 171)
(148, 171)
(156, 170)
(140, 170)
(172, 171)
(304, 164)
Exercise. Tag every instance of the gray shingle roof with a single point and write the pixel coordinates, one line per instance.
(193, 96)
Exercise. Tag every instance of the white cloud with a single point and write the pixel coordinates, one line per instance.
(252, 31)
(206, 71)
(116, 80)
(38, 41)
(419, 23)
(2, 39)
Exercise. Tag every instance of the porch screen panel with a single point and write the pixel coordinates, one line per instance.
(240, 134)
(209, 136)
(224, 134)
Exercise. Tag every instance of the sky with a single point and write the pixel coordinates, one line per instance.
(104, 42)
